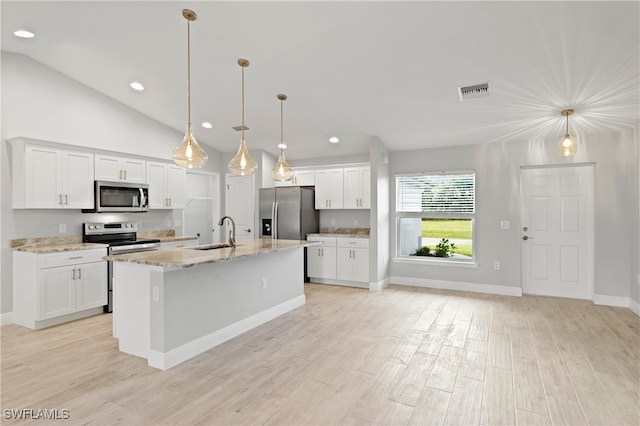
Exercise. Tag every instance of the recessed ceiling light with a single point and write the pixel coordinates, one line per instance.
(334, 140)
(136, 85)
(282, 145)
(207, 125)
(24, 34)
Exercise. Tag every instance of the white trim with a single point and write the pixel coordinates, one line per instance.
(424, 260)
(634, 306)
(458, 285)
(380, 285)
(6, 318)
(602, 299)
(169, 359)
(357, 284)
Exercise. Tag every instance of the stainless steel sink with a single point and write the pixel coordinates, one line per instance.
(210, 246)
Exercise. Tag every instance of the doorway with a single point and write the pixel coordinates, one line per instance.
(558, 230)
(239, 204)
(202, 206)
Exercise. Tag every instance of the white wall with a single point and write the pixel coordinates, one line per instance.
(497, 168)
(380, 219)
(40, 103)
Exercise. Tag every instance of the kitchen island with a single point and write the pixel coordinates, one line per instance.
(171, 305)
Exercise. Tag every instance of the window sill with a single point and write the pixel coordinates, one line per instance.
(425, 260)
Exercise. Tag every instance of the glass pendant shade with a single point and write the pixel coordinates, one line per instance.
(242, 164)
(568, 146)
(281, 171)
(189, 154)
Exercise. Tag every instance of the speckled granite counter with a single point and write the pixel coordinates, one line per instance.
(165, 236)
(190, 256)
(52, 244)
(342, 233)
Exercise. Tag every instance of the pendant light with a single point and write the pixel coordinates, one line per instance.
(568, 145)
(242, 164)
(281, 171)
(189, 154)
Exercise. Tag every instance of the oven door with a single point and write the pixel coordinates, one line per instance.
(121, 197)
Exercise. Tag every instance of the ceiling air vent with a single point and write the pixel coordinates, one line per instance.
(480, 90)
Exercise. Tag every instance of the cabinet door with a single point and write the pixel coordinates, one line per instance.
(344, 267)
(329, 189)
(365, 200)
(352, 188)
(91, 285)
(175, 186)
(329, 263)
(77, 179)
(155, 179)
(360, 259)
(133, 170)
(314, 262)
(56, 292)
(43, 177)
(108, 168)
(304, 177)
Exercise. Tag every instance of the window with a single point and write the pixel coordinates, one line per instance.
(435, 214)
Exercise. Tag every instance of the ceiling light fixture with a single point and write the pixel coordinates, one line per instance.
(207, 125)
(24, 34)
(242, 164)
(136, 85)
(189, 154)
(568, 145)
(281, 171)
(334, 139)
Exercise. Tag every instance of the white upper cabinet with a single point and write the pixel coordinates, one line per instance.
(115, 169)
(329, 189)
(46, 177)
(357, 188)
(304, 177)
(166, 185)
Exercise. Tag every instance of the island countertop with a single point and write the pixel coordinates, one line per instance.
(187, 257)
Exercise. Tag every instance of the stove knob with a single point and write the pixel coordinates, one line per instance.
(90, 226)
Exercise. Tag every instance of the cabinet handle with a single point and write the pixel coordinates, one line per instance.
(66, 199)
(170, 201)
(73, 277)
(79, 273)
(120, 174)
(60, 199)
(125, 175)
(329, 203)
(76, 257)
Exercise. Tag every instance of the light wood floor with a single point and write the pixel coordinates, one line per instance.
(402, 356)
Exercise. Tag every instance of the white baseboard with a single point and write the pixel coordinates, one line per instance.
(166, 360)
(634, 306)
(356, 284)
(6, 318)
(380, 285)
(618, 301)
(458, 285)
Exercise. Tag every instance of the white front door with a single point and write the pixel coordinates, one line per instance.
(557, 231)
(240, 206)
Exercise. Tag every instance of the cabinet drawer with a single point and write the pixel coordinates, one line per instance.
(325, 241)
(51, 260)
(353, 242)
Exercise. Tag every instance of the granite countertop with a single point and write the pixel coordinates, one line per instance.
(187, 257)
(342, 233)
(53, 244)
(167, 235)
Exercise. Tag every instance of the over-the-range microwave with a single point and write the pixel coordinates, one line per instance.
(113, 197)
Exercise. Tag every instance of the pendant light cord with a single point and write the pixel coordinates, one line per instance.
(567, 124)
(281, 125)
(242, 103)
(189, 72)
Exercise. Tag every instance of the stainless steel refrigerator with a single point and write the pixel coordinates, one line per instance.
(288, 212)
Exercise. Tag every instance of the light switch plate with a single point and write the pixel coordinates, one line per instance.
(505, 224)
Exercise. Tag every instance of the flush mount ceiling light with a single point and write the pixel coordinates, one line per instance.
(136, 85)
(189, 154)
(568, 145)
(207, 125)
(24, 34)
(242, 164)
(281, 171)
(334, 140)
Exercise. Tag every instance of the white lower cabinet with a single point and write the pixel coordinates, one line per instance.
(58, 286)
(353, 259)
(321, 258)
(343, 261)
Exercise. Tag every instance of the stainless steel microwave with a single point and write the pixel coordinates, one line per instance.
(110, 197)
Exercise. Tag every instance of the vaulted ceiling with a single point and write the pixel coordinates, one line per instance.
(355, 70)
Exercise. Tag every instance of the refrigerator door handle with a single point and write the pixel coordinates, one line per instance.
(275, 220)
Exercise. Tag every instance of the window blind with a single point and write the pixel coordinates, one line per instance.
(437, 193)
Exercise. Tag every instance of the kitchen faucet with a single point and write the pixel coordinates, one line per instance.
(232, 232)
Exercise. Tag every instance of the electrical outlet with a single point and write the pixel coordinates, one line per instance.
(264, 283)
(62, 228)
(333, 222)
(496, 265)
(156, 293)
(505, 224)
(177, 223)
(168, 223)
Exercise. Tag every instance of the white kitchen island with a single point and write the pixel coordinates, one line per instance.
(171, 305)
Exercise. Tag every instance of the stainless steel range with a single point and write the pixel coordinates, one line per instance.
(121, 237)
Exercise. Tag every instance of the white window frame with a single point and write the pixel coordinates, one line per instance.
(452, 261)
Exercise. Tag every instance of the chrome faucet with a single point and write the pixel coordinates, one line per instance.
(232, 232)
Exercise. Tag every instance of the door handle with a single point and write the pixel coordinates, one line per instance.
(248, 230)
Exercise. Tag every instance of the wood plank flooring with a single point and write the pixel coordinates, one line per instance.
(401, 356)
